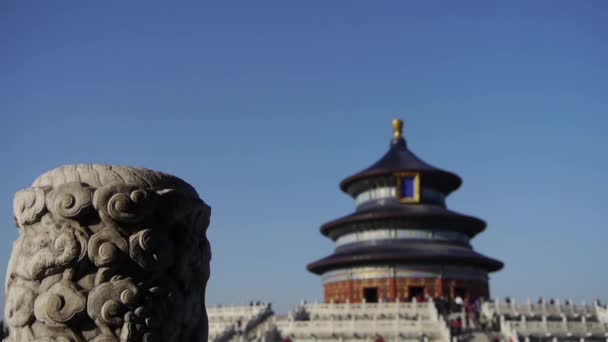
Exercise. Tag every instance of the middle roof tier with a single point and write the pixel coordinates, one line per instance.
(421, 216)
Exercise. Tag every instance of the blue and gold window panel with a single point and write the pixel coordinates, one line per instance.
(408, 187)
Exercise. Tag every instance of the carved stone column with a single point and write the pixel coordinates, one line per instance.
(108, 253)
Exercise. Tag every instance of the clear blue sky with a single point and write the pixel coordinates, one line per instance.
(265, 106)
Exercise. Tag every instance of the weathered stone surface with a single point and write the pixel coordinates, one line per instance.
(108, 253)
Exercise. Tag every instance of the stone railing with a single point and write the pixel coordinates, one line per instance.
(507, 331)
(364, 328)
(542, 327)
(602, 313)
(424, 310)
(257, 326)
(544, 308)
(232, 312)
(393, 321)
(228, 321)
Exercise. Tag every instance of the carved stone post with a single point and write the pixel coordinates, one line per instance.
(108, 253)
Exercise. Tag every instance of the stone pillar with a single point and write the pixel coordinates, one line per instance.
(108, 253)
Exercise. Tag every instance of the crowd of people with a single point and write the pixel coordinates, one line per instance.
(458, 309)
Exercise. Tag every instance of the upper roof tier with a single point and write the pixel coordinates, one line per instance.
(400, 159)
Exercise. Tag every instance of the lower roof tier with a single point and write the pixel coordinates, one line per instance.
(405, 216)
(404, 253)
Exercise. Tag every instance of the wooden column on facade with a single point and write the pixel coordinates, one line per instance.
(439, 287)
(393, 289)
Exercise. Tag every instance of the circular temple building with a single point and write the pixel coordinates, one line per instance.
(402, 241)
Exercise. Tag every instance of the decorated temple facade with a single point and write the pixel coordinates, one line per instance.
(402, 241)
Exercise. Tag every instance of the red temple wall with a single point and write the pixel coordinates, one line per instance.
(390, 289)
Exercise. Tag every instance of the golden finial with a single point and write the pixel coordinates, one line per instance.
(397, 129)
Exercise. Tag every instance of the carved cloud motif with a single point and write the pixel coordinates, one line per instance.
(19, 307)
(48, 251)
(108, 302)
(148, 254)
(28, 206)
(105, 338)
(123, 203)
(69, 200)
(59, 304)
(106, 247)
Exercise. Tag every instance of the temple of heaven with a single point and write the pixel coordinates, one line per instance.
(402, 241)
